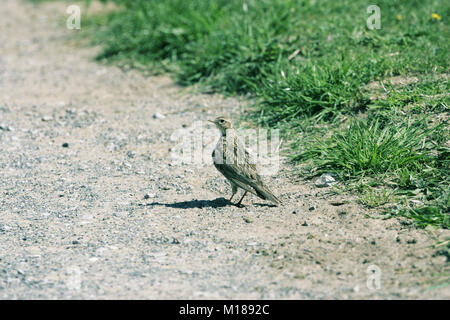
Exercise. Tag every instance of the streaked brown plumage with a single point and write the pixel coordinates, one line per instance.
(233, 161)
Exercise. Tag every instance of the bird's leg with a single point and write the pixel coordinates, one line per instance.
(232, 196)
(239, 203)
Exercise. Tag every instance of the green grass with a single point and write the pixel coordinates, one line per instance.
(367, 148)
(373, 198)
(312, 69)
(398, 161)
(298, 57)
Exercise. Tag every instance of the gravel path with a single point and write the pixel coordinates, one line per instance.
(80, 149)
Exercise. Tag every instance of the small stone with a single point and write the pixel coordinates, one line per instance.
(65, 145)
(247, 220)
(312, 208)
(47, 118)
(415, 202)
(411, 241)
(305, 224)
(131, 154)
(4, 127)
(325, 180)
(148, 196)
(294, 212)
(75, 242)
(158, 115)
(4, 228)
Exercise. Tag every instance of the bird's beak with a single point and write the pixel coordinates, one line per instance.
(211, 121)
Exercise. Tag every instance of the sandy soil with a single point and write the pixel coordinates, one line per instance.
(74, 222)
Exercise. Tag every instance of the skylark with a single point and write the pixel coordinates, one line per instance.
(232, 160)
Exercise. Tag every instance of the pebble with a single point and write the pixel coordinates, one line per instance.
(325, 180)
(65, 145)
(415, 202)
(4, 228)
(4, 127)
(158, 115)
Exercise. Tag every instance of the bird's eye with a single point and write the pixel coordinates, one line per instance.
(222, 121)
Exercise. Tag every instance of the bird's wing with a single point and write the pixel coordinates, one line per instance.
(248, 180)
(237, 176)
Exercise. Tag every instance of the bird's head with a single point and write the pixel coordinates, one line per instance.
(222, 123)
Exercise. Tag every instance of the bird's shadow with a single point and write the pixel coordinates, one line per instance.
(216, 203)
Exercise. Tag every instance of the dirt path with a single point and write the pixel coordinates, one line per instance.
(74, 222)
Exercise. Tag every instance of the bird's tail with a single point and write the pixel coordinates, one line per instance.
(266, 194)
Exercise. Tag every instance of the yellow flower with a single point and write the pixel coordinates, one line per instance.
(436, 16)
(399, 17)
